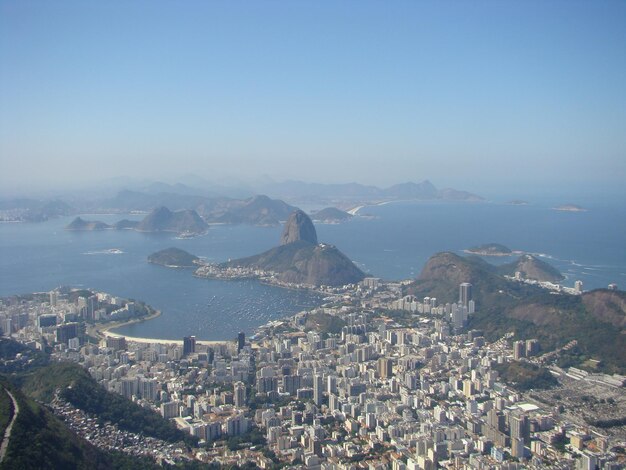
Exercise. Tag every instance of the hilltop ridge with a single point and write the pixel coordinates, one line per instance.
(164, 220)
(596, 319)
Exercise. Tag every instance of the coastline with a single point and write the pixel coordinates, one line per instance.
(103, 331)
(355, 210)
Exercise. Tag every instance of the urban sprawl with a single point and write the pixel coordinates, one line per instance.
(370, 379)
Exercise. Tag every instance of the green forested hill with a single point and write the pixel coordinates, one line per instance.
(82, 391)
(595, 319)
(39, 440)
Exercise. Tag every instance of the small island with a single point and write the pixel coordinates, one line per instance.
(490, 249)
(331, 215)
(79, 224)
(517, 202)
(569, 208)
(174, 258)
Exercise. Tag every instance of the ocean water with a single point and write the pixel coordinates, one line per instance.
(40, 257)
(398, 240)
(393, 243)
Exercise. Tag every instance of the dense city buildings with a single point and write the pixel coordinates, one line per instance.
(402, 385)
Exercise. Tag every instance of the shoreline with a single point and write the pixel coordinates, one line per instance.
(103, 331)
(356, 209)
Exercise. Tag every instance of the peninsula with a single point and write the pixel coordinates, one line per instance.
(298, 261)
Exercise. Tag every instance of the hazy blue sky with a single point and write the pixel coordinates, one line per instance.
(464, 93)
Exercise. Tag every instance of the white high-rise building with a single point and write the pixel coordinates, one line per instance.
(465, 293)
(318, 388)
(54, 297)
(578, 287)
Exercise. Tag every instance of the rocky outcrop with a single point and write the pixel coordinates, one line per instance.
(301, 260)
(298, 227)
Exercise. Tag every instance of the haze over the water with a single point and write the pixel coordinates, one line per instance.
(475, 95)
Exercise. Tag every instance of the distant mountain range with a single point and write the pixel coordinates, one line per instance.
(216, 204)
(33, 210)
(263, 210)
(256, 210)
(596, 319)
(301, 260)
(164, 220)
(346, 194)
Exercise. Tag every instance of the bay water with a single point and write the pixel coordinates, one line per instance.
(391, 241)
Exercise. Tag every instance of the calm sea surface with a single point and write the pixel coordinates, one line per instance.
(393, 244)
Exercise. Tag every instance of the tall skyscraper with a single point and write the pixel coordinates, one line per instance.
(117, 343)
(520, 427)
(318, 388)
(54, 297)
(189, 345)
(66, 332)
(331, 385)
(519, 350)
(385, 368)
(241, 341)
(465, 293)
(239, 394)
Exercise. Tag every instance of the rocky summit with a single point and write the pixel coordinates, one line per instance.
(298, 227)
(299, 259)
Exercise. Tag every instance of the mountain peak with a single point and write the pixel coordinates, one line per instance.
(162, 210)
(298, 227)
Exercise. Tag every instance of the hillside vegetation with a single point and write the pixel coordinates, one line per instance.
(40, 440)
(595, 319)
(525, 376)
(81, 390)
